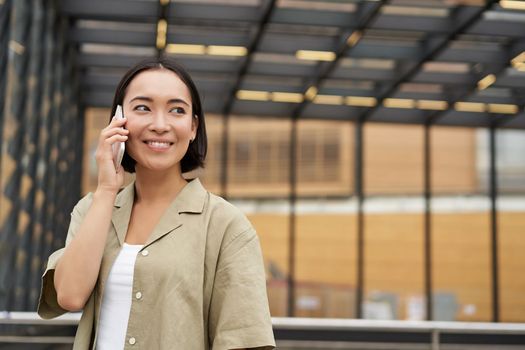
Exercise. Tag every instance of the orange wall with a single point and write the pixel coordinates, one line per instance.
(461, 260)
(394, 256)
(326, 256)
(512, 266)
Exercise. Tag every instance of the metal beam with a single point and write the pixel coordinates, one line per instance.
(368, 13)
(498, 70)
(137, 10)
(436, 49)
(181, 11)
(426, 24)
(288, 44)
(315, 18)
(265, 18)
(217, 36)
(112, 37)
(378, 50)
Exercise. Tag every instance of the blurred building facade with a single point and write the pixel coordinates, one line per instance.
(41, 159)
(383, 183)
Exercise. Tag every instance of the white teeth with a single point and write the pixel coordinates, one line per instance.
(158, 144)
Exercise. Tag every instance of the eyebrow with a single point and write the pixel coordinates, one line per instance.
(170, 101)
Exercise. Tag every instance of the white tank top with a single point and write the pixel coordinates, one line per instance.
(116, 301)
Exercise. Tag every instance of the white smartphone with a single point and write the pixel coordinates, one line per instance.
(118, 147)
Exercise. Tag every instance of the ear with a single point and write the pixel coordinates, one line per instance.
(194, 124)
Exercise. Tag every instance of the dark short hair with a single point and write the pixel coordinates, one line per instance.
(197, 149)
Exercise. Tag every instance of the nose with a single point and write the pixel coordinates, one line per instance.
(159, 123)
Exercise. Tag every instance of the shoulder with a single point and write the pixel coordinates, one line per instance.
(220, 209)
(227, 219)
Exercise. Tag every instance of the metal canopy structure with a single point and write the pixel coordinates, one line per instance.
(433, 62)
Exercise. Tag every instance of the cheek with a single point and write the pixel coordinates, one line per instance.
(183, 127)
(134, 129)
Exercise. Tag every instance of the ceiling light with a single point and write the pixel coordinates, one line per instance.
(518, 62)
(399, 103)
(311, 93)
(186, 49)
(486, 82)
(315, 55)
(164, 2)
(219, 50)
(287, 97)
(162, 28)
(329, 99)
(503, 108)
(470, 107)
(520, 66)
(253, 95)
(354, 38)
(361, 101)
(432, 105)
(512, 4)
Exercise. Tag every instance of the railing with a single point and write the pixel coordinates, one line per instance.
(315, 333)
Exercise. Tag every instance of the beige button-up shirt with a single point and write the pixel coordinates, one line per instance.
(199, 281)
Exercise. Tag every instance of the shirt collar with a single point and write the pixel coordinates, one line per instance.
(190, 199)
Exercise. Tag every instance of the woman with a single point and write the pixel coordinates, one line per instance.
(162, 263)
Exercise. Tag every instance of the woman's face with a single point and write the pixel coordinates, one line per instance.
(157, 105)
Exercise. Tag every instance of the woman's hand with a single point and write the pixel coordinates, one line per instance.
(109, 178)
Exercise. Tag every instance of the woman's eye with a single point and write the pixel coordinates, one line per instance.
(142, 108)
(178, 110)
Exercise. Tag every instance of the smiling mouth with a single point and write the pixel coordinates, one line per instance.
(158, 144)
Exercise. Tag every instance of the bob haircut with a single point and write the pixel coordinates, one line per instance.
(196, 153)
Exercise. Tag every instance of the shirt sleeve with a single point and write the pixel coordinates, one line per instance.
(239, 312)
(47, 304)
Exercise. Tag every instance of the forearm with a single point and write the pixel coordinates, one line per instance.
(77, 271)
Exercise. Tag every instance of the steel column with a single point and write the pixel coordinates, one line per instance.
(359, 193)
(494, 224)
(427, 241)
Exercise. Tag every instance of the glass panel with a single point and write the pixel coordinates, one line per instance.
(258, 157)
(326, 265)
(461, 264)
(511, 224)
(460, 225)
(394, 265)
(393, 253)
(393, 159)
(454, 155)
(325, 153)
(258, 183)
(272, 227)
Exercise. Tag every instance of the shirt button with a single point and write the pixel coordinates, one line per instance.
(138, 295)
(132, 341)
(144, 253)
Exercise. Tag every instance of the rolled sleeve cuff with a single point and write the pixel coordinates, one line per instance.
(48, 304)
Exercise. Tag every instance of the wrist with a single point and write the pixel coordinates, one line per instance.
(105, 194)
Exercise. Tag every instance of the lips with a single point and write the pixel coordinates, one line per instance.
(158, 144)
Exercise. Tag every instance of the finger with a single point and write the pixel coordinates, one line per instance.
(113, 131)
(111, 140)
(117, 121)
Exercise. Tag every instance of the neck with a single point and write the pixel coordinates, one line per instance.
(155, 186)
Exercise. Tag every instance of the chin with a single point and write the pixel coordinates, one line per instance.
(160, 166)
